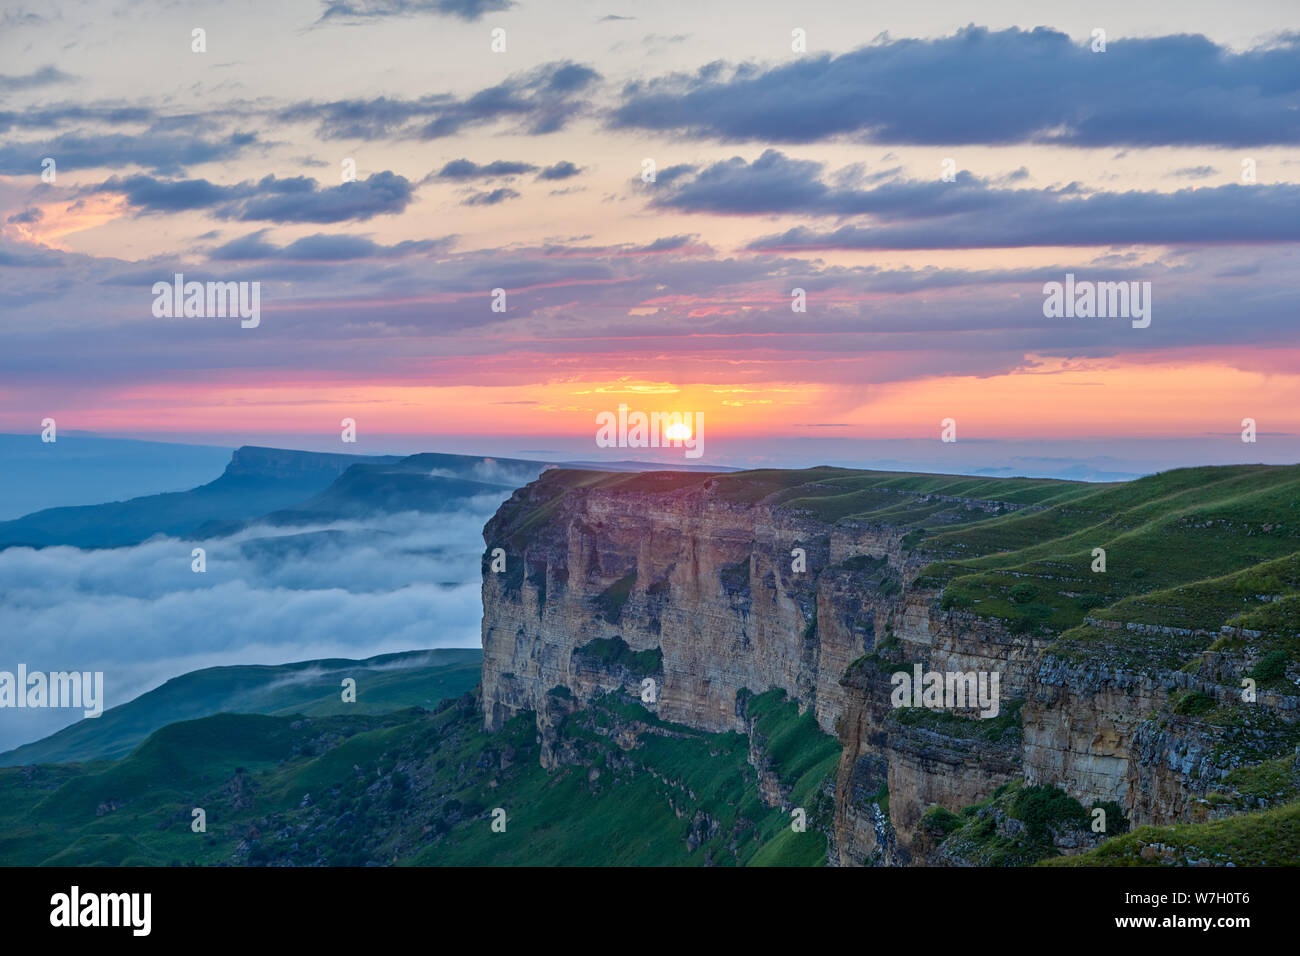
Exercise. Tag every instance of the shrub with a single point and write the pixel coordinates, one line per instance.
(1116, 822)
(1041, 807)
(1270, 667)
(1194, 703)
(938, 823)
(1022, 593)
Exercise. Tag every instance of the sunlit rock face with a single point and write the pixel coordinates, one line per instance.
(682, 590)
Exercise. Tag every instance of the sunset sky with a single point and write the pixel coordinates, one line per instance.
(774, 170)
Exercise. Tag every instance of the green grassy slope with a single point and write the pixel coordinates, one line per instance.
(385, 683)
(418, 788)
(1196, 548)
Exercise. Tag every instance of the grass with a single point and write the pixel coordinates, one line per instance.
(1187, 548)
(1269, 838)
(418, 788)
(386, 683)
(801, 755)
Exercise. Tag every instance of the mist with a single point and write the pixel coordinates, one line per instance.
(269, 595)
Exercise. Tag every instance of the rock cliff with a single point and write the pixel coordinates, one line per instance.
(687, 591)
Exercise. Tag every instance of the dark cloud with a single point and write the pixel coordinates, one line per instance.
(1195, 172)
(323, 248)
(384, 193)
(561, 170)
(983, 86)
(164, 154)
(670, 244)
(772, 183)
(26, 257)
(973, 213)
(1220, 215)
(293, 199)
(153, 121)
(686, 244)
(27, 216)
(490, 198)
(45, 76)
(361, 11)
(541, 100)
(464, 169)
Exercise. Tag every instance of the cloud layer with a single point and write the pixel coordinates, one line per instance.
(141, 615)
(994, 87)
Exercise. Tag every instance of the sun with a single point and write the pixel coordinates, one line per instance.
(678, 431)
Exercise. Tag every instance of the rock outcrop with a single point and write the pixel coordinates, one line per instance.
(684, 590)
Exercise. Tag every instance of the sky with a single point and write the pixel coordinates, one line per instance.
(920, 171)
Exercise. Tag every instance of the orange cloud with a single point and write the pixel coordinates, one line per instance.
(55, 219)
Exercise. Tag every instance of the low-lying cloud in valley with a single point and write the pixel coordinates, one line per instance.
(269, 595)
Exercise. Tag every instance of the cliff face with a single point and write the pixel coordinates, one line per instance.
(711, 583)
(682, 590)
(706, 582)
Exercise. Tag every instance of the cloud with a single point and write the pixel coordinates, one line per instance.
(269, 595)
(324, 248)
(993, 87)
(973, 213)
(28, 216)
(463, 169)
(672, 306)
(491, 471)
(1195, 172)
(541, 100)
(560, 170)
(492, 198)
(1222, 215)
(162, 153)
(772, 183)
(50, 117)
(45, 76)
(293, 199)
(361, 11)
(19, 17)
